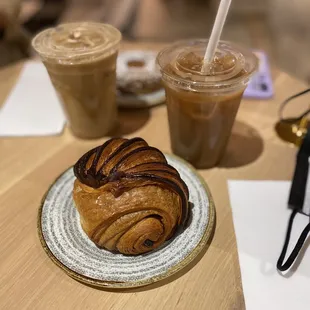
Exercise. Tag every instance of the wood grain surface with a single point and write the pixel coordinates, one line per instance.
(29, 280)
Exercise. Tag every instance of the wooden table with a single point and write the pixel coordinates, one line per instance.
(29, 280)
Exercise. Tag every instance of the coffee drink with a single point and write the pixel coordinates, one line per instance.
(81, 61)
(202, 102)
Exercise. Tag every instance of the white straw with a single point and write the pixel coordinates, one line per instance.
(216, 32)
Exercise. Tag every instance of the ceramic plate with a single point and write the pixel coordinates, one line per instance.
(69, 247)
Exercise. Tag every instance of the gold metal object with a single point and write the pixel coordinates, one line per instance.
(292, 130)
(108, 284)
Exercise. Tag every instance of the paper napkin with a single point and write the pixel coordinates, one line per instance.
(32, 108)
(260, 216)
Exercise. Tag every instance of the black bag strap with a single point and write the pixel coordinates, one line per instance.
(289, 262)
(297, 194)
(285, 102)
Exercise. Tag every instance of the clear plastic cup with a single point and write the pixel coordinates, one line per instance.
(202, 104)
(81, 61)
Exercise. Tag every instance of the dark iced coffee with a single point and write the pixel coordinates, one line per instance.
(81, 61)
(202, 102)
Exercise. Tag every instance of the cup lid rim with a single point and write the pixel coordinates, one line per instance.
(248, 54)
(49, 52)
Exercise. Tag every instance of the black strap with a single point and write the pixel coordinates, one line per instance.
(297, 194)
(284, 103)
(289, 262)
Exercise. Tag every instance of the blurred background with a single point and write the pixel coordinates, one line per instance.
(279, 27)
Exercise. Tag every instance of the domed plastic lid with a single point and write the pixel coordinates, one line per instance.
(182, 63)
(77, 42)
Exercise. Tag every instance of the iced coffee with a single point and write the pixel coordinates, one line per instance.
(81, 61)
(202, 101)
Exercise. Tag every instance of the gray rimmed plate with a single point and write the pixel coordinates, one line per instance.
(69, 247)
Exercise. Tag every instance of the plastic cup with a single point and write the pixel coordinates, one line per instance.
(81, 61)
(202, 105)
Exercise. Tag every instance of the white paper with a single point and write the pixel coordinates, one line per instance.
(32, 108)
(260, 215)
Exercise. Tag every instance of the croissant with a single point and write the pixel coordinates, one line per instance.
(130, 200)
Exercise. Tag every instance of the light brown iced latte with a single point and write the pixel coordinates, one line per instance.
(81, 61)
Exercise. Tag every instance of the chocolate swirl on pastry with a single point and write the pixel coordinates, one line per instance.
(129, 198)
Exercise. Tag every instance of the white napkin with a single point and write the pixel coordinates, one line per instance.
(260, 215)
(32, 108)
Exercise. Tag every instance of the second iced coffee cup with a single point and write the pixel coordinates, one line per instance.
(81, 61)
(202, 102)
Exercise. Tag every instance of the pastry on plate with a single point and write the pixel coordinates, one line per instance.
(130, 200)
(138, 80)
(137, 73)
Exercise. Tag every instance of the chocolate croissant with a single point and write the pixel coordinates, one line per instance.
(128, 197)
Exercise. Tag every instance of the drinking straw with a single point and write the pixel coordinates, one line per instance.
(216, 33)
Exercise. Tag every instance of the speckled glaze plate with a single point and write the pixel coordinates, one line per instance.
(69, 248)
